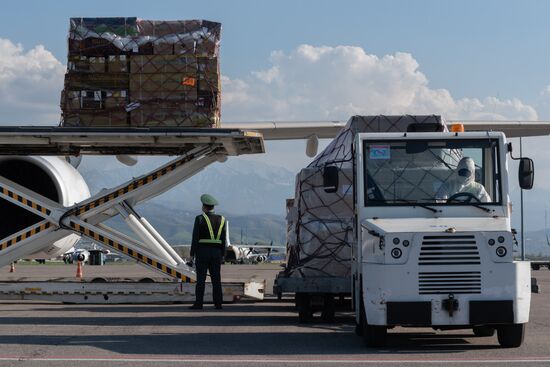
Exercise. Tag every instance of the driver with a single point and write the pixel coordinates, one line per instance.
(463, 181)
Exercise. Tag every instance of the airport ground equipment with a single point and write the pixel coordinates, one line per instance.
(413, 255)
(539, 264)
(423, 259)
(117, 291)
(52, 221)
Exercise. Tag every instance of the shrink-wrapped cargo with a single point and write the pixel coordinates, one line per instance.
(165, 73)
(321, 228)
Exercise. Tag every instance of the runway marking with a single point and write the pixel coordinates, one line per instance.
(153, 359)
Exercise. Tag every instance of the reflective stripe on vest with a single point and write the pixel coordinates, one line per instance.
(214, 240)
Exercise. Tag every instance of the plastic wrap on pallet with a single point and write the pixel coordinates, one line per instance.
(168, 72)
(321, 229)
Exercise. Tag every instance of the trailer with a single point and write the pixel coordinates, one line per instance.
(123, 291)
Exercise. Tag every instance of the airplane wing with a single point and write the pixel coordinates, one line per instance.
(288, 130)
(242, 246)
(260, 246)
(512, 129)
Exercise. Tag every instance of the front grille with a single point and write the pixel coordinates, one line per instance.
(449, 282)
(449, 250)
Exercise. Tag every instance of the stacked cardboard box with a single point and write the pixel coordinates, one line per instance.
(131, 72)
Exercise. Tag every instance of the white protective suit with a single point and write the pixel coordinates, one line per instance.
(463, 180)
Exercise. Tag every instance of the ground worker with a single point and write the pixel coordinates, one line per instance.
(208, 248)
(463, 185)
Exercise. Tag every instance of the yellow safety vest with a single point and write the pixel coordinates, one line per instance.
(213, 240)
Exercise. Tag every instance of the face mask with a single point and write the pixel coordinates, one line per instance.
(464, 176)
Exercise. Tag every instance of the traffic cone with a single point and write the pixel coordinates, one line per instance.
(79, 269)
(12, 268)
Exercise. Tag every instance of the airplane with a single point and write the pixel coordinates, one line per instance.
(57, 178)
(73, 255)
(246, 254)
(250, 253)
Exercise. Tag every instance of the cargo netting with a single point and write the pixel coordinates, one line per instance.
(320, 224)
(133, 72)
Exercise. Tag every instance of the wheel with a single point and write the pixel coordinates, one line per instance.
(329, 309)
(146, 280)
(99, 280)
(303, 305)
(511, 336)
(375, 335)
(535, 266)
(360, 327)
(484, 331)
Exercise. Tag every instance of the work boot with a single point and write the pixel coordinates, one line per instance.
(195, 307)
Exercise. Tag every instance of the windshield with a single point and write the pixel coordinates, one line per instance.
(432, 172)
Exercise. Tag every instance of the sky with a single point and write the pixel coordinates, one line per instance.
(318, 60)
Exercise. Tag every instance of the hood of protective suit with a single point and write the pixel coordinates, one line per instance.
(466, 170)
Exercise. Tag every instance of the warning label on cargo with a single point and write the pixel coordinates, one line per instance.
(379, 152)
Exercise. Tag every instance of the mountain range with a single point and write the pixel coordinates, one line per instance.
(252, 196)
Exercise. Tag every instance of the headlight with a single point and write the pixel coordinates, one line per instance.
(406, 243)
(491, 242)
(396, 241)
(382, 243)
(500, 239)
(396, 253)
(501, 251)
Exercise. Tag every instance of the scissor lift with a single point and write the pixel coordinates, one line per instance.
(196, 149)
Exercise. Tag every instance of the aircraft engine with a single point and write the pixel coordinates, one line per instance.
(52, 177)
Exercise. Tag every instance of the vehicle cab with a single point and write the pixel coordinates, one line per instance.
(434, 240)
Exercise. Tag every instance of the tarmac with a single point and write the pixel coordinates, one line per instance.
(242, 334)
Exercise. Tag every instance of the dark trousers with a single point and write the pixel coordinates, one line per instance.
(208, 258)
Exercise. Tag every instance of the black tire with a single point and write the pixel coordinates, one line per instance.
(146, 280)
(375, 335)
(329, 309)
(99, 280)
(303, 305)
(484, 331)
(535, 266)
(360, 328)
(511, 336)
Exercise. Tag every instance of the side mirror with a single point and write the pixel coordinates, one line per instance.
(330, 179)
(526, 173)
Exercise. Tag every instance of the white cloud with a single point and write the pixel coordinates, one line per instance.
(543, 103)
(30, 85)
(337, 82)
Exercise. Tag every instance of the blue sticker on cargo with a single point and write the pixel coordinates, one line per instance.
(380, 152)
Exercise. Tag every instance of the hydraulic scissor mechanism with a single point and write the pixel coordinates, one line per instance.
(86, 218)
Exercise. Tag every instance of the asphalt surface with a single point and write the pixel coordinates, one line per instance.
(261, 334)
